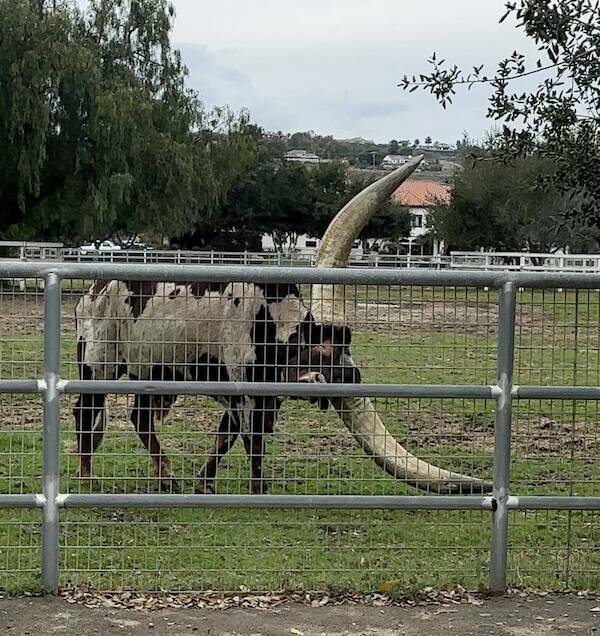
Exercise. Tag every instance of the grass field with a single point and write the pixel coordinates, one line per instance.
(400, 335)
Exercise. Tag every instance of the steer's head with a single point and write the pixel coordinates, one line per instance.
(320, 353)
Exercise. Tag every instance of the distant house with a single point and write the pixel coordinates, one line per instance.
(306, 244)
(438, 146)
(394, 161)
(301, 156)
(420, 196)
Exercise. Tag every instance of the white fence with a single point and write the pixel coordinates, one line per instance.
(211, 257)
(525, 261)
(484, 261)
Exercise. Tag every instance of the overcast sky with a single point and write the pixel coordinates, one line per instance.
(333, 65)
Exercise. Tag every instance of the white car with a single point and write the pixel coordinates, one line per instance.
(104, 246)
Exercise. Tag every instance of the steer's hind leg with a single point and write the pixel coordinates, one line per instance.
(89, 427)
(254, 444)
(228, 432)
(142, 416)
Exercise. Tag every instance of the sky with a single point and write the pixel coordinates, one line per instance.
(333, 66)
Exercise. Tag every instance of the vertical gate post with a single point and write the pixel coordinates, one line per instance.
(502, 437)
(50, 530)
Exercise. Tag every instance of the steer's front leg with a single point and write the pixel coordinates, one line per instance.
(226, 437)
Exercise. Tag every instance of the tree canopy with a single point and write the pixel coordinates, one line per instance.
(500, 206)
(286, 200)
(98, 131)
(558, 119)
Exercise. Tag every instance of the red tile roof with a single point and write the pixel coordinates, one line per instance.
(416, 193)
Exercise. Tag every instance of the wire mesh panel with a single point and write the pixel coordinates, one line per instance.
(20, 532)
(427, 335)
(555, 549)
(235, 441)
(21, 354)
(394, 334)
(21, 327)
(242, 550)
(558, 337)
(556, 443)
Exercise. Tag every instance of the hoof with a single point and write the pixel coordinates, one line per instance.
(258, 487)
(169, 485)
(204, 488)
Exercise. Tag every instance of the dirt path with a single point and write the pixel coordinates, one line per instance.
(514, 616)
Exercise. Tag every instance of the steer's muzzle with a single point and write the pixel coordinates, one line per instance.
(319, 369)
(345, 371)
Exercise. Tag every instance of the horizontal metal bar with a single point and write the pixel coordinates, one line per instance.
(22, 386)
(291, 389)
(22, 501)
(260, 274)
(376, 502)
(554, 503)
(340, 502)
(556, 392)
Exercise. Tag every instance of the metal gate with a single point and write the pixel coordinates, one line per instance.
(504, 392)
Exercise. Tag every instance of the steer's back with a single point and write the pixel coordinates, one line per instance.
(141, 326)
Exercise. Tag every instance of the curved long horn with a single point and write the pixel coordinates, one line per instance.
(361, 419)
(327, 302)
(328, 307)
(347, 224)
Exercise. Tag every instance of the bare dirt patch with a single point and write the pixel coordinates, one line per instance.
(25, 415)
(22, 314)
(538, 436)
(439, 317)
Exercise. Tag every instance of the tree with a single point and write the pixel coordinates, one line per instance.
(393, 147)
(371, 157)
(499, 206)
(417, 142)
(559, 118)
(276, 197)
(98, 132)
(391, 224)
(302, 141)
(294, 200)
(286, 200)
(428, 140)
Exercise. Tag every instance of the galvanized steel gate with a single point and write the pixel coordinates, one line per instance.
(51, 386)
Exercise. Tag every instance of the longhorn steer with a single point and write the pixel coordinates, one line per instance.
(239, 332)
(228, 332)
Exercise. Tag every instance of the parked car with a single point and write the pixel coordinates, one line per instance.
(140, 246)
(100, 246)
